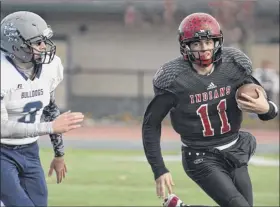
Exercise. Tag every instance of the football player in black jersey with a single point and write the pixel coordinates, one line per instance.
(198, 89)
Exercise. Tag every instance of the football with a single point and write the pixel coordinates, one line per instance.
(250, 90)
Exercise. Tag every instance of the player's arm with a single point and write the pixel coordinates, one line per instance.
(17, 130)
(50, 113)
(151, 130)
(273, 109)
(246, 68)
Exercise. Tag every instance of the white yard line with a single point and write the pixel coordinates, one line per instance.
(256, 160)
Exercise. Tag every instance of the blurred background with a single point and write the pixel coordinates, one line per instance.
(111, 50)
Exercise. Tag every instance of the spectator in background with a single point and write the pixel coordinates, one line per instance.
(236, 20)
(130, 15)
(169, 9)
(225, 12)
(268, 76)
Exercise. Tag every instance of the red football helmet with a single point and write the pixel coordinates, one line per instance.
(196, 27)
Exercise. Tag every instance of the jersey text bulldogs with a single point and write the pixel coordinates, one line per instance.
(34, 93)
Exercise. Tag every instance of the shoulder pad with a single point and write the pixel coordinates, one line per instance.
(57, 72)
(168, 73)
(231, 54)
(7, 83)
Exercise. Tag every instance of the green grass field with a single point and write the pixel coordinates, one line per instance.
(104, 178)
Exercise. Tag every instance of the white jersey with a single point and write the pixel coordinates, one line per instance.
(25, 99)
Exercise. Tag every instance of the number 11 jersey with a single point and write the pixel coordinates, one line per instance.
(206, 113)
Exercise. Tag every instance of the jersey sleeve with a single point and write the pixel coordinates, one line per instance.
(151, 131)
(57, 75)
(3, 92)
(156, 111)
(6, 83)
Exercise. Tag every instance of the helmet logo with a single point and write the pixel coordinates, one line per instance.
(11, 32)
(14, 48)
(21, 31)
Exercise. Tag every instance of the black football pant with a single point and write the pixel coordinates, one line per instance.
(223, 174)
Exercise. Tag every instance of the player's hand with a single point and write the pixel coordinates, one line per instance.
(67, 121)
(59, 166)
(259, 105)
(163, 181)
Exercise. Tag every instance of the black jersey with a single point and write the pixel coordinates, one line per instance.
(206, 112)
(202, 108)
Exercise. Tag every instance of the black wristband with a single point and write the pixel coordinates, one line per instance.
(272, 113)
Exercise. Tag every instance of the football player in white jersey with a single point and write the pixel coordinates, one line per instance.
(30, 73)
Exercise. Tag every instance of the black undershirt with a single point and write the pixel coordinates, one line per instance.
(151, 130)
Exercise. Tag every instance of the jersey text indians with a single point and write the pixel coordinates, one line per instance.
(210, 95)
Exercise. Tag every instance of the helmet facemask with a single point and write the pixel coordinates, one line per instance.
(37, 56)
(40, 57)
(188, 54)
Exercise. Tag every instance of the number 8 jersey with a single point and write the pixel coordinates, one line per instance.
(206, 112)
(23, 99)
